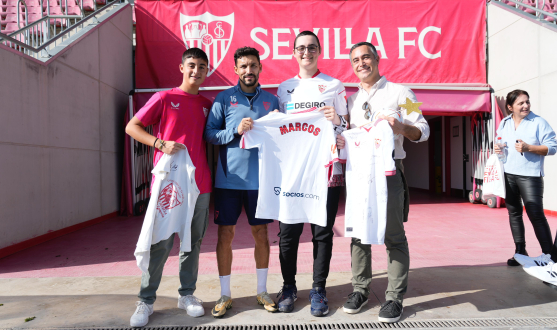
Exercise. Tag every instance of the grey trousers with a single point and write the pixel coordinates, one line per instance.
(189, 261)
(398, 256)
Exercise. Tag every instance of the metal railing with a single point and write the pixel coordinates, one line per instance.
(65, 12)
(538, 12)
(26, 11)
(40, 37)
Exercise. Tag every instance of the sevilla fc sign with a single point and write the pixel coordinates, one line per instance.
(421, 41)
(210, 33)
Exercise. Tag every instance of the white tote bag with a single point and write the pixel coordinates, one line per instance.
(494, 179)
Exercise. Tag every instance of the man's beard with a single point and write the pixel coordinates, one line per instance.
(255, 81)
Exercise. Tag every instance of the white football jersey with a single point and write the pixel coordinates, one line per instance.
(296, 153)
(298, 95)
(369, 157)
(170, 210)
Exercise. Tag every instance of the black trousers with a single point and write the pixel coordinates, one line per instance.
(289, 235)
(530, 190)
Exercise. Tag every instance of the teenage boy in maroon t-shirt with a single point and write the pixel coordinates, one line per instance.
(178, 117)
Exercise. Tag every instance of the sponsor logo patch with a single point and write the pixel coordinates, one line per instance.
(277, 191)
(299, 195)
(291, 106)
(174, 106)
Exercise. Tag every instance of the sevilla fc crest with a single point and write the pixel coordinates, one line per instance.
(322, 88)
(170, 197)
(266, 105)
(377, 143)
(211, 33)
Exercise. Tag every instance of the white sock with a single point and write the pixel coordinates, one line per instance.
(225, 286)
(261, 279)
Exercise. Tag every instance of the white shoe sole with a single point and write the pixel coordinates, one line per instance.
(192, 314)
(354, 311)
(390, 320)
(138, 325)
(142, 324)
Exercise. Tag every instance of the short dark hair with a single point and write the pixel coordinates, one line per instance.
(364, 43)
(195, 53)
(246, 51)
(512, 96)
(307, 33)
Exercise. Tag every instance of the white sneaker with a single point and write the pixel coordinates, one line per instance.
(141, 316)
(545, 273)
(526, 261)
(192, 305)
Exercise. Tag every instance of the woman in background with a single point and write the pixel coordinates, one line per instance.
(529, 138)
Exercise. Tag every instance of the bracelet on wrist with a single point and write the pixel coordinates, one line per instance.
(154, 143)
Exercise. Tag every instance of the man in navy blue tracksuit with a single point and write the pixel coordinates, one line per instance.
(237, 177)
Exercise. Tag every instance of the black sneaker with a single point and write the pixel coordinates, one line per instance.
(512, 262)
(354, 303)
(287, 296)
(554, 287)
(318, 300)
(390, 311)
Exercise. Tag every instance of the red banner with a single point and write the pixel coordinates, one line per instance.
(419, 41)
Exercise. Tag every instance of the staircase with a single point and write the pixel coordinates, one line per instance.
(51, 31)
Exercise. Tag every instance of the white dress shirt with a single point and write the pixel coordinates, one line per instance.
(387, 95)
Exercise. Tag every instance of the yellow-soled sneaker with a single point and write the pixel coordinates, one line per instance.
(224, 303)
(264, 299)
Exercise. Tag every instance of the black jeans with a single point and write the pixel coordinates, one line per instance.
(289, 235)
(530, 190)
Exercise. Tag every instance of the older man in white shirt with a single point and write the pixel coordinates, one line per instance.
(375, 94)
